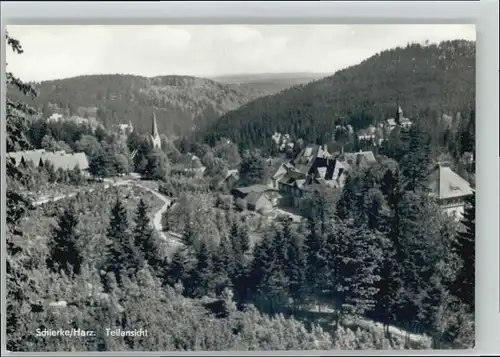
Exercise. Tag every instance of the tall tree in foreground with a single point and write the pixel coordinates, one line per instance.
(144, 236)
(122, 256)
(17, 204)
(64, 246)
(465, 249)
(353, 260)
(295, 268)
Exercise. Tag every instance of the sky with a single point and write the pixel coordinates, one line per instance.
(54, 52)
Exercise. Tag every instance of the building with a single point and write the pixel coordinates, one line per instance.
(399, 120)
(257, 197)
(231, 178)
(190, 164)
(314, 165)
(369, 133)
(64, 161)
(259, 202)
(126, 129)
(59, 159)
(357, 158)
(155, 137)
(449, 189)
(22, 157)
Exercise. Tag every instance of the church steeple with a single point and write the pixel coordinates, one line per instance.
(155, 137)
(399, 115)
(154, 131)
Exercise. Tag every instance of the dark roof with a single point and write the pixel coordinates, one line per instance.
(291, 176)
(306, 158)
(253, 188)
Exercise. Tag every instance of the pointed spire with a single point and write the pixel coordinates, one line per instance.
(154, 131)
(399, 115)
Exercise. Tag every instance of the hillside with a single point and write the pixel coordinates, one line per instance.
(179, 102)
(424, 80)
(263, 84)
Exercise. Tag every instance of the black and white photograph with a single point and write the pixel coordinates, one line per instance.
(240, 187)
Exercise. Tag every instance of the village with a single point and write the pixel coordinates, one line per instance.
(290, 180)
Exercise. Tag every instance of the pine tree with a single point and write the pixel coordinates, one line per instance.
(203, 274)
(296, 271)
(188, 235)
(314, 244)
(416, 161)
(244, 239)
(354, 257)
(234, 237)
(224, 262)
(267, 276)
(122, 255)
(465, 249)
(144, 238)
(65, 249)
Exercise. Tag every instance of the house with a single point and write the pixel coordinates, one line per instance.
(357, 158)
(126, 129)
(314, 165)
(258, 197)
(279, 173)
(449, 189)
(231, 178)
(22, 157)
(369, 133)
(259, 202)
(311, 157)
(56, 117)
(242, 192)
(190, 164)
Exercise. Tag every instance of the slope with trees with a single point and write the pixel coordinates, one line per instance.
(426, 80)
(180, 103)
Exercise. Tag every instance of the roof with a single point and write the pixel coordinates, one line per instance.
(391, 122)
(253, 197)
(66, 161)
(28, 155)
(445, 183)
(352, 158)
(291, 176)
(253, 188)
(229, 173)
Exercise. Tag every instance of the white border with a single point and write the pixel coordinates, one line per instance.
(483, 13)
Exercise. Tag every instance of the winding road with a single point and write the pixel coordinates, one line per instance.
(157, 218)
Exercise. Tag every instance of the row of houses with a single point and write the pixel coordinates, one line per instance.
(59, 159)
(314, 167)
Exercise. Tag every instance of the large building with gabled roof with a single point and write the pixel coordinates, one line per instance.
(449, 189)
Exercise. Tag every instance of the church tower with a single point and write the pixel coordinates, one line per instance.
(399, 115)
(155, 137)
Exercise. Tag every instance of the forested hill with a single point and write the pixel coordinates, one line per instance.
(425, 80)
(263, 84)
(180, 102)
